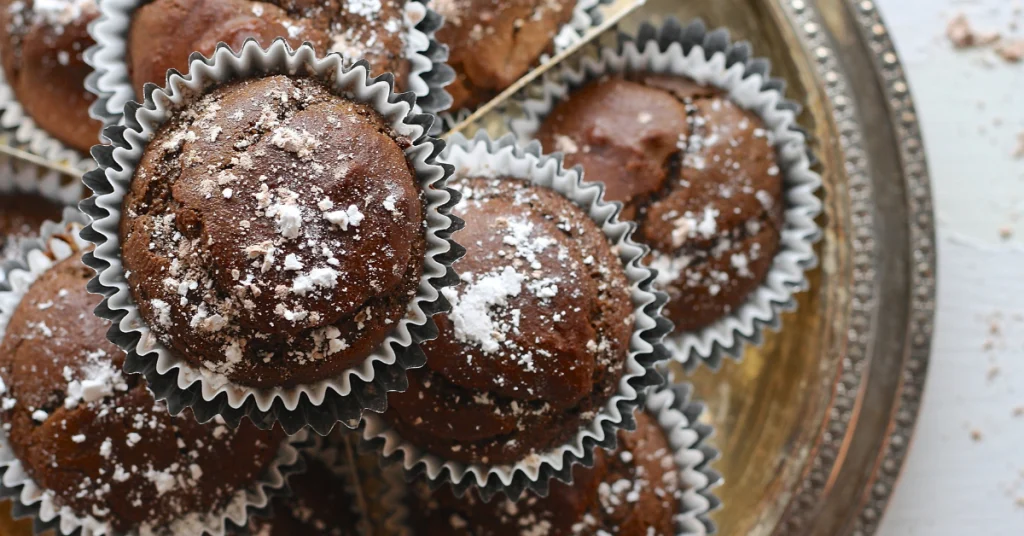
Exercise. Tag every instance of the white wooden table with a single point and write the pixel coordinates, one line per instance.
(965, 472)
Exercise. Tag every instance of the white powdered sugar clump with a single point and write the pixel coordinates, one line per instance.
(94, 381)
(300, 142)
(288, 217)
(55, 13)
(472, 313)
(351, 216)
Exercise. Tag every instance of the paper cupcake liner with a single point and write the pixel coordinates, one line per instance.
(323, 449)
(505, 157)
(112, 84)
(585, 16)
(679, 417)
(30, 501)
(170, 377)
(57, 242)
(15, 121)
(711, 58)
(21, 178)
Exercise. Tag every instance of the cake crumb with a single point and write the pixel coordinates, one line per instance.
(1011, 51)
(976, 435)
(962, 35)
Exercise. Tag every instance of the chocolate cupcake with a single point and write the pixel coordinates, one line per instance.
(694, 170)
(165, 32)
(281, 237)
(538, 334)
(553, 336)
(42, 54)
(274, 232)
(493, 43)
(93, 440)
(635, 491)
(705, 153)
(321, 504)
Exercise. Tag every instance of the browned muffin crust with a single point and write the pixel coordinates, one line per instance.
(321, 505)
(537, 337)
(493, 43)
(635, 491)
(697, 173)
(95, 438)
(165, 32)
(274, 232)
(43, 61)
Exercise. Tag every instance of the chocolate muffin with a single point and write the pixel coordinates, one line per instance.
(21, 216)
(165, 32)
(43, 46)
(538, 335)
(94, 439)
(697, 173)
(274, 232)
(321, 505)
(493, 43)
(634, 491)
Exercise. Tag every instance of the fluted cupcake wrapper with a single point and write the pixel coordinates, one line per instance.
(506, 158)
(59, 241)
(679, 416)
(112, 84)
(17, 123)
(585, 15)
(709, 57)
(21, 178)
(171, 378)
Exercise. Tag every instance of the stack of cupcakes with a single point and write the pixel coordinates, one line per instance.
(281, 247)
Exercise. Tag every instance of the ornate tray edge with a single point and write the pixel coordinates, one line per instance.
(923, 265)
(892, 80)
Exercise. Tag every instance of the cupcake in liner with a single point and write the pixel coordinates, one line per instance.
(320, 497)
(672, 410)
(172, 378)
(504, 158)
(341, 489)
(112, 84)
(58, 242)
(25, 132)
(710, 59)
(34, 190)
(585, 15)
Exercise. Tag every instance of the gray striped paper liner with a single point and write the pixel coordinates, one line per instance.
(112, 84)
(711, 58)
(171, 378)
(505, 158)
(57, 242)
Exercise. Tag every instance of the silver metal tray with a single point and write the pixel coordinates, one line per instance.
(815, 424)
